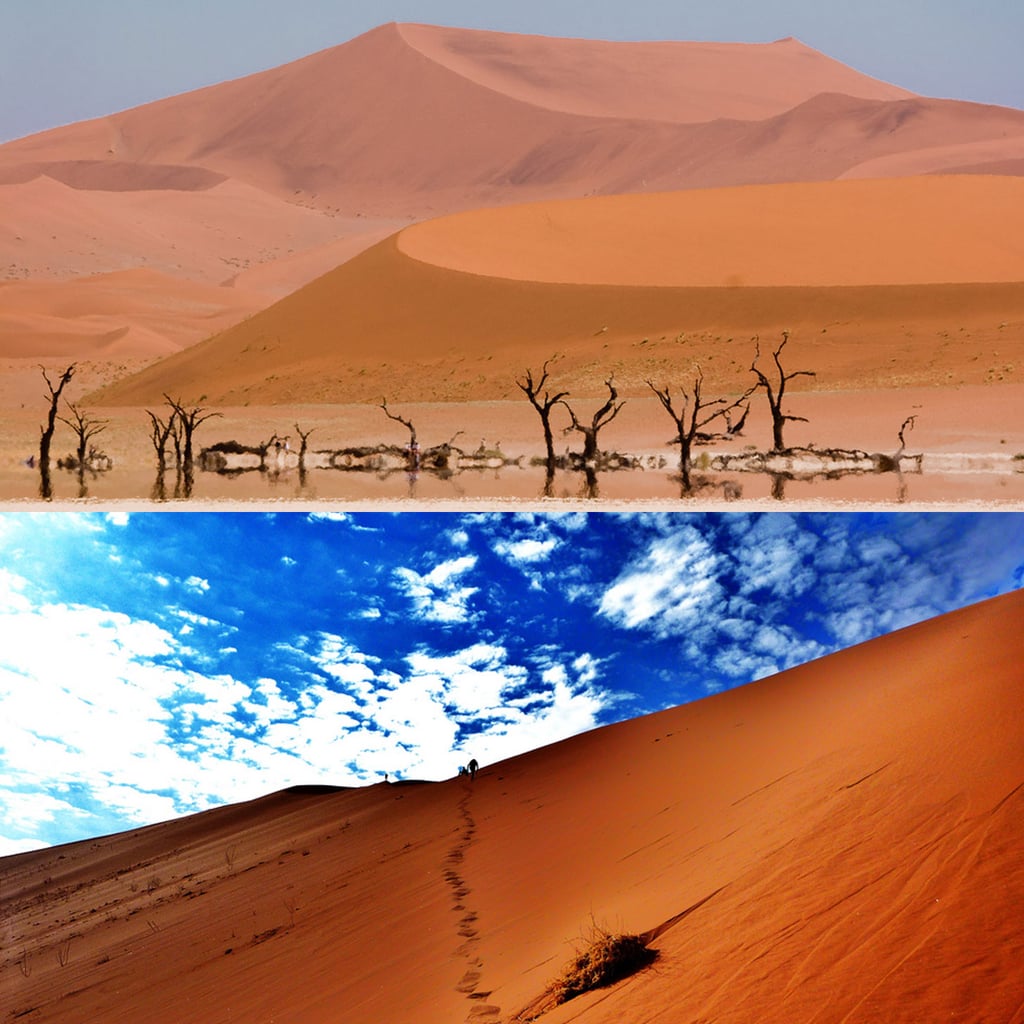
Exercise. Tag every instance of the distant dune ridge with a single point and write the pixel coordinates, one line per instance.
(837, 842)
(263, 183)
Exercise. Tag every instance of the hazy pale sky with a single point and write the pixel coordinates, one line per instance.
(66, 60)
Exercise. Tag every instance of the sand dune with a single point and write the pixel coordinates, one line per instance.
(265, 182)
(272, 176)
(133, 314)
(838, 842)
(868, 306)
(877, 232)
(647, 81)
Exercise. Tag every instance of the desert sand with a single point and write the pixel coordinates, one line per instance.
(903, 296)
(464, 205)
(837, 842)
(249, 183)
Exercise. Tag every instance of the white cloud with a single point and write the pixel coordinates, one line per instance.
(9, 847)
(438, 595)
(669, 589)
(526, 549)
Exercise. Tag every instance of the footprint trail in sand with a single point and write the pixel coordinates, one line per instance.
(468, 948)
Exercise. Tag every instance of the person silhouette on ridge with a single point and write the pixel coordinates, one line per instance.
(473, 766)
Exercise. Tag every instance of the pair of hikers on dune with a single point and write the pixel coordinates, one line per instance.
(470, 769)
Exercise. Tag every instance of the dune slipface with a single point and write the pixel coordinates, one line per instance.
(882, 284)
(837, 842)
(287, 172)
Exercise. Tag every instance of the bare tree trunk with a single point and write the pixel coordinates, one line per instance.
(544, 405)
(413, 451)
(303, 437)
(775, 392)
(186, 420)
(601, 418)
(687, 430)
(46, 433)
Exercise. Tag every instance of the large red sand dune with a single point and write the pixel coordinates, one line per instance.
(838, 842)
(882, 283)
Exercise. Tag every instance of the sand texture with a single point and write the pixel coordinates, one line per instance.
(838, 842)
(249, 183)
(888, 283)
(458, 206)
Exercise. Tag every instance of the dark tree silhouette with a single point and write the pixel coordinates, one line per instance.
(532, 390)
(85, 428)
(776, 391)
(696, 414)
(303, 438)
(185, 423)
(601, 418)
(46, 433)
(590, 454)
(414, 448)
(159, 434)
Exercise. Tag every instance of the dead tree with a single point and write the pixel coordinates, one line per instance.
(532, 390)
(691, 419)
(908, 424)
(46, 433)
(85, 428)
(601, 418)
(187, 421)
(159, 434)
(414, 448)
(776, 391)
(303, 438)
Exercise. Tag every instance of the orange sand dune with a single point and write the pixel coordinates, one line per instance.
(838, 842)
(878, 232)
(136, 314)
(268, 178)
(386, 323)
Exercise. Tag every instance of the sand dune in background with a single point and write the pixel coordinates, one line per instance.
(873, 232)
(838, 842)
(131, 314)
(418, 331)
(676, 82)
(272, 179)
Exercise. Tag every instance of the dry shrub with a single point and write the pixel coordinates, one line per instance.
(605, 958)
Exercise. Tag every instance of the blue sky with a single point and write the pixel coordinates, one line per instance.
(66, 60)
(158, 664)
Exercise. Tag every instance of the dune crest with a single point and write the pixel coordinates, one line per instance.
(870, 232)
(252, 181)
(840, 841)
(675, 82)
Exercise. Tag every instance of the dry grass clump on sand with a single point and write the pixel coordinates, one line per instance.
(606, 958)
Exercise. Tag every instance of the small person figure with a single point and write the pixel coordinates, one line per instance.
(473, 766)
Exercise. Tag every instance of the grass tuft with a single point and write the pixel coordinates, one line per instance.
(606, 958)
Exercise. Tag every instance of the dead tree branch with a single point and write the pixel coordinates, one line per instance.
(775, 391)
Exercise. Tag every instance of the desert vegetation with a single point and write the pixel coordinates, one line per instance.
(701, 419)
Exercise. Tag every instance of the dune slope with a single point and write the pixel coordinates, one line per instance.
(838, 842)
(293, 169)
(839, 265)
